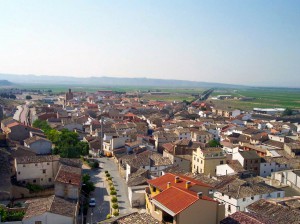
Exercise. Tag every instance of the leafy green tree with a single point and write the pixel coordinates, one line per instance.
(42, 125)
(214, 143)
(86, 178)
(28, 97)
(87, 185)
(67, 143)
(11, 216)
(83, 147)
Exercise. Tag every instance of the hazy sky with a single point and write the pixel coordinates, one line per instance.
(244, 41)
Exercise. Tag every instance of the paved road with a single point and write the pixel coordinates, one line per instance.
(23, 115)
(102, 196)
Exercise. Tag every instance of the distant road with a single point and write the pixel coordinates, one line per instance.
(24, 115)
(204, 95)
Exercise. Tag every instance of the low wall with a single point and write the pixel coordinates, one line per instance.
(22, 192)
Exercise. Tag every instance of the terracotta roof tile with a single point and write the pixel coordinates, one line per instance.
(176, 199)
(161, 182)
(52, 204)
(69, 175)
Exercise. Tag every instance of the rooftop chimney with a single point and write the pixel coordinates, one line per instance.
(188, 184)
(176, 179)
(168, 184)
(199, 194)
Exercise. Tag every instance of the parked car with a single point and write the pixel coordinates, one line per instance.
(92, 202)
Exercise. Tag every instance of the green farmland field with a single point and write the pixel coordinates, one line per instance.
(263, 97)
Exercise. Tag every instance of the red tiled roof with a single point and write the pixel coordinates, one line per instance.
(169, 147)
(13, 124)
(129, 115)
(161, 182)
(69, 175)
(176, 199)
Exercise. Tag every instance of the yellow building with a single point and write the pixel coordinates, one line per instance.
(206, 160)
(180, 200)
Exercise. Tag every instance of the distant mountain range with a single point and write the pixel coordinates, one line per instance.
(4, 83)
(109, 81)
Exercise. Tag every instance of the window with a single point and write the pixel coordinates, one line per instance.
(34, 181)
(48, 163)
(36, 164)
(154, 189)
(222, 162)
(244, 199)
(229, 197)
(252, 198)
(229, 208)
(38, 222)
(222, 194)
(265, 165)
(24, 165)
(44, 171)
(278, 195)
(49, 179)
(19, 172)
(272, 170)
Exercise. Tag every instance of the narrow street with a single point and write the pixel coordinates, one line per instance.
(101, 194)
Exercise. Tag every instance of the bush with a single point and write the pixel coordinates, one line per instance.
(110, 184)
(107, 175)
(106, 171)
(116, 213)
(95, 165)
(108, 216)
(114, 199)
(113, 193)
(112, 188)
(115, 206)
(8, 216)
(109, 178)
(34, 188)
